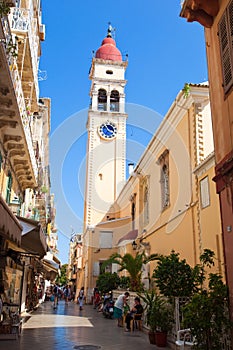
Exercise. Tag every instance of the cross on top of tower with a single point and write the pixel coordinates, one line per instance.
(111, 31)
(108, 49)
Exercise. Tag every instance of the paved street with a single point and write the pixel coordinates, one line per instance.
(68, 328)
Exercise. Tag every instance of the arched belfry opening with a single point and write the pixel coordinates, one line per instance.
(102, 100)
(114, 101)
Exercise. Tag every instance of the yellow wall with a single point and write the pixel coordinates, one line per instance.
(182, 226)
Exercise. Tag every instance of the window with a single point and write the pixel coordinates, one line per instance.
(225, 31)
(105, 239)
(96, 268)
(8, 188)
(133, 209)
(114, 101)
(102, 100)
(204, 191)
(146, 203)
(164, 179)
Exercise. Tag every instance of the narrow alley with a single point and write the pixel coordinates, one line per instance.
(67, 328)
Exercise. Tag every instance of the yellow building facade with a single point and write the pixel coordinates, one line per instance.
(169, 201)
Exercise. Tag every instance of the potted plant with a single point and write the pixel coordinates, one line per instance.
(159, 317)
(164, 319)
(207, 314)
(149, 299)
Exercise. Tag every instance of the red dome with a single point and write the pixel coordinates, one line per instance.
(108, 50)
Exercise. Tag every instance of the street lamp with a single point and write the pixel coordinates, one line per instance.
(134, 245)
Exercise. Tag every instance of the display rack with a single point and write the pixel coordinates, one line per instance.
(11, 323)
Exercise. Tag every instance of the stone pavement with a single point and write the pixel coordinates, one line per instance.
(68, 328)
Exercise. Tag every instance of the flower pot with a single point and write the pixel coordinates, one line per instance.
(161, 339)
(151, 335)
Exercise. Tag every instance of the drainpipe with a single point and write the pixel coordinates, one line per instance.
(191, 183)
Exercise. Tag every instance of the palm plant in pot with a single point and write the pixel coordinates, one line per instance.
(149, 298)
(159, 317)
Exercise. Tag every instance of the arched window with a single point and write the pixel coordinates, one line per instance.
(146, 205)
(9, 187)
(164, 186)
(102, 100)
(164, 179)
(133, 209)
(114, 101)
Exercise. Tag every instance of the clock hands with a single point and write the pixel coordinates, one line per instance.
(109, 128)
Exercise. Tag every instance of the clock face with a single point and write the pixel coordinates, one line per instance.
(108, 130)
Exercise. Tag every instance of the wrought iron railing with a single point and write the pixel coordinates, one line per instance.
(178, 318)
(22, 20)
(12, 62)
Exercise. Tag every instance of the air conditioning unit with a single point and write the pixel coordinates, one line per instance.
(42, 32)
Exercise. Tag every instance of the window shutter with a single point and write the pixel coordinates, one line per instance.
(225, 28)
(106, 239)
(114, 268)
(96, 268)
(205, 195)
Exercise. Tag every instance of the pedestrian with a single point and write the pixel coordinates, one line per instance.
(135, 313)
(66, 294)
(119, 308)
(97, 300)
(55, 296)
(81, 298)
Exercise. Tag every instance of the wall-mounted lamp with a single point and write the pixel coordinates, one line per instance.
(134, 245)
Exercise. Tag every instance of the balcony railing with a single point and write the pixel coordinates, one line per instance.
(102, 106)
(22, 20)
(19, 94)
(114, 106)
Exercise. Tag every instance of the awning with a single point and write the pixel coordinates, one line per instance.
(52, 267)
(33, 238)
(130, 236)
(9, 225)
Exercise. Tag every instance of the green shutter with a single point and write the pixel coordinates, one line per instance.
(225, 29)
(9, 187)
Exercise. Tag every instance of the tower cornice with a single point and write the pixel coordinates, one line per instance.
(107, 63)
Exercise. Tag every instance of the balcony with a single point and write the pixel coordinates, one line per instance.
(14, 120)
(9, 225)
(24, 26)
(202, 11)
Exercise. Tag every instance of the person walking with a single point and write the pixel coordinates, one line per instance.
(55, 296)
(81, 298)
(119, 308)
(67, 294)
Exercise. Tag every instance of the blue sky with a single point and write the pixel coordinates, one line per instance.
(164, 52)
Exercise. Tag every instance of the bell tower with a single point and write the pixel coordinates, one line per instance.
(106, 125)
